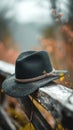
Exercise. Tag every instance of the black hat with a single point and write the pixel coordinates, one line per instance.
(33, 69)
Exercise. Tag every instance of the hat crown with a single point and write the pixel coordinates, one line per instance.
(32, 64)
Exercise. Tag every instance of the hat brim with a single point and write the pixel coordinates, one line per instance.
(18, 90)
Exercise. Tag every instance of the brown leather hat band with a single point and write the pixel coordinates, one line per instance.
(36, 78)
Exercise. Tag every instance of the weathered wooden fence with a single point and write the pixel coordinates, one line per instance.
(55, 98)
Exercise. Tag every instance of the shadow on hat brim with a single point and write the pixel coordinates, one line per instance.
(18, 90)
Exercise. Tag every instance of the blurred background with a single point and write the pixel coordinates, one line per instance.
(38, 25)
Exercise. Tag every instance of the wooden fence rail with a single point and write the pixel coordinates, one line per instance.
(55, 98)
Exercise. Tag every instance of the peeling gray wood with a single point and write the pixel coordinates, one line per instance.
(60, 93)
(56, 99)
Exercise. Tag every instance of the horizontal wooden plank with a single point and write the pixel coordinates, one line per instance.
(60, 93)
(57, 100)
(6, 68)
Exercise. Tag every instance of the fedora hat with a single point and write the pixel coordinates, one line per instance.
(33, 69)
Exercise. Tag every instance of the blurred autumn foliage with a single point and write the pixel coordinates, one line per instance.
(8, 54)
(58, 41)
(8, 49)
